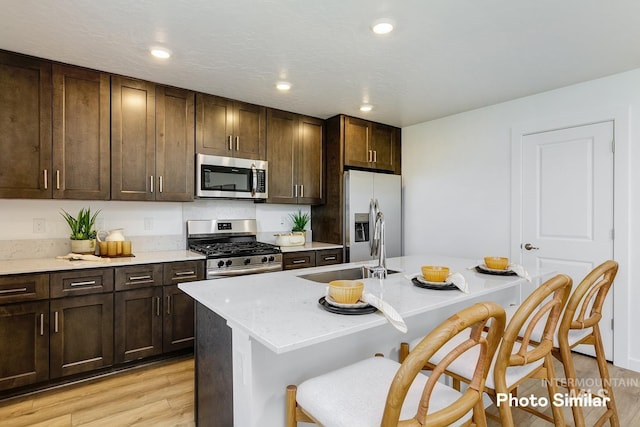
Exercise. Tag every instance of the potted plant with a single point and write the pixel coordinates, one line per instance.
(299, 221)
(83, 232)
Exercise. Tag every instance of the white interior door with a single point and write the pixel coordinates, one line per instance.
(567, 205)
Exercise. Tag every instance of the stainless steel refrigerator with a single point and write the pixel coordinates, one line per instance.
(363, 190)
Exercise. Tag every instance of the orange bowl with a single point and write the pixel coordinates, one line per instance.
(345, 291)
(435, 273)
(496, 262)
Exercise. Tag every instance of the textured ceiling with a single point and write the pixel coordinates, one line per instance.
(446, 56)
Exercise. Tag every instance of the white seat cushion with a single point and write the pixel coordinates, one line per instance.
(465, 364)
(355, 396)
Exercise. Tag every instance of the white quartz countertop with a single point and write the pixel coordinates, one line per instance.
(281, 310)
(310, 246)
(38, 265)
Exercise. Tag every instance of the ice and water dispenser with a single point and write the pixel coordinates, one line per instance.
(362, 227)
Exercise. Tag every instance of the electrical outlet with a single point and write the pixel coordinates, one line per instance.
(39, 225)
(148, 223)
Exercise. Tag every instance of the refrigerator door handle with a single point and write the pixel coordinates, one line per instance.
(373, 212)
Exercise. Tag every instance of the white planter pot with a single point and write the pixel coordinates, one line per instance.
(83, 246)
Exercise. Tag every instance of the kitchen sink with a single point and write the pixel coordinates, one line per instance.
(347, 274)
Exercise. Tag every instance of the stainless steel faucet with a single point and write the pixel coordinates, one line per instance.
(379, 270)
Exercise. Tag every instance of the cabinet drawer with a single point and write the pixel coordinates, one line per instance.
(81, 282)
(328, 256)
(138, 276)
(183, 271)
(24, 287)
(301, 259)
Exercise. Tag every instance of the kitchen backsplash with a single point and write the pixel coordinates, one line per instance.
(35, 229)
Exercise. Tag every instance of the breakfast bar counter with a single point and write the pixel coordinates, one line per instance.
(256, 334)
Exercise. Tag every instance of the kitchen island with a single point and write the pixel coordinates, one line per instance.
(256, 334)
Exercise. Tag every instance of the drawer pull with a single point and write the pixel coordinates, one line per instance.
(169, 304)
(147, 277)
(330, 258)
(158, 302)
(12, 291)
(185, 273)
(298, 261)
(88, 282)
(41, 324)
(55, 322)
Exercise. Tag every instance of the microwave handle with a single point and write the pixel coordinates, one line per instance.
(254, 183)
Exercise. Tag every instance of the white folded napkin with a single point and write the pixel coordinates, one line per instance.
(389, 312)
(82, 257)
(459, 281)
(519, 270)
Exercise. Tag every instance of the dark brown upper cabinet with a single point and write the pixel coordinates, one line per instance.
(151, 141)
(81, 145)
(295, 155)
(370, 145)
(230, 128)
(25, 123)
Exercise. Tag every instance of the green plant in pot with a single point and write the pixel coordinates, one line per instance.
(299, 221)
(83, 232)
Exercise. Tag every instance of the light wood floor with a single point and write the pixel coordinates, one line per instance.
(156, 395)
(162, 395)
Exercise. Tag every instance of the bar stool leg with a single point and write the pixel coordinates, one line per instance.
(552, 389)
(612, 411)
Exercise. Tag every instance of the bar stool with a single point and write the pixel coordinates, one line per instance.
(518, 358)
(381, 392)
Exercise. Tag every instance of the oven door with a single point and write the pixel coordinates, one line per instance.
(230, 178)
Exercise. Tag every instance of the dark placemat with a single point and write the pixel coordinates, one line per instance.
(479, 269)
(346, 310)
(449, 287)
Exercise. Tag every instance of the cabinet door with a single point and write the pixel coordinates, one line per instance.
(25, 123)
(138, 324)
(310, 162)
(357, 139)
(183, 271)
(214, 125)
(24, 334)
(132, 139)
(81, 333)
(138, 276)
(178, 323)
(23, 287)
(282, 138)
(384, 147)
(249, 122)
(175, 133)
(81, 282)
(81, 138)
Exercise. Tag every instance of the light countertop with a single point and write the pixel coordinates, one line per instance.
(39, 265)
(281, 311)
(310, 246)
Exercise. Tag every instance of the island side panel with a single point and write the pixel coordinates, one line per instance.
(213, 370)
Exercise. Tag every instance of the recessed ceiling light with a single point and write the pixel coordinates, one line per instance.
(382, 26)
(160, 52)
(366, 107)
(283, 86)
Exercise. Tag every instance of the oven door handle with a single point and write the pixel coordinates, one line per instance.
(254, 180)
(216, 274)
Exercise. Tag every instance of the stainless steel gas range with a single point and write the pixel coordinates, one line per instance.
(231, 247)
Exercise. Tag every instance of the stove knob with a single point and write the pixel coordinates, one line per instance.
(247, 261)
(271, 258)
(228, 263)
(220, 264)
(264, 259)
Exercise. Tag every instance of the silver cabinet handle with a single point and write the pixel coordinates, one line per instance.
(57, 179)
(46, 178)
(375, 156)
(41, 324)
(169, 304)
(237, 143)
(89, 282)
(230, 139)
(147, 277)
(185, 273)
(370, 156)
(160, 183)
(301, 190)
(151, 182)
(530, 247)
(330, 258)
(12, 291)
(55, 322)
(298, 261)
(295, 191)
(158, 306)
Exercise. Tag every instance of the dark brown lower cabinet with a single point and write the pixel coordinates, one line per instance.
(138, 323)
(178, 323)
(24, 344)
(81, 334)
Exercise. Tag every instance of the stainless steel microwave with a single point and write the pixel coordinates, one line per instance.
(230, 178)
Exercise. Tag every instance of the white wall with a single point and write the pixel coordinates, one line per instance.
(457, 173)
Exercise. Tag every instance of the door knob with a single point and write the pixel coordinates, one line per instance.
(530, 247)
